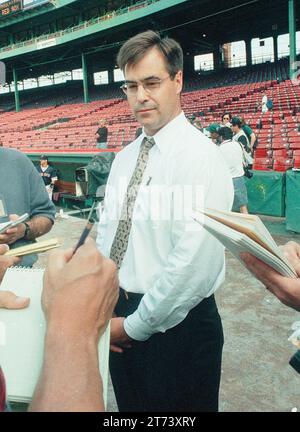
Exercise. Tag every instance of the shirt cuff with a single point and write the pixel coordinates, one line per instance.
(136, 328)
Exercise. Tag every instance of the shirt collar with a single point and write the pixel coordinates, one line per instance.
(165, 136)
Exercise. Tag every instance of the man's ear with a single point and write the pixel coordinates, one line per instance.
(179, 81)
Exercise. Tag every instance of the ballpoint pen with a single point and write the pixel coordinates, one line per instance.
(87, 229)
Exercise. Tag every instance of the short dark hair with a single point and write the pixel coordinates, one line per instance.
(227, 114)
(226, 133)
(136, 47)
(236, 121)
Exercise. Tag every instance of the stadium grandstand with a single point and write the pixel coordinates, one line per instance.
(60, 77)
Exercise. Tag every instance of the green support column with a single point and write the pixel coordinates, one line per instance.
(11, 38)
(292, 31)
(17, 98)
(110, 76)
(275, 45)
(248, 52)
(85, 79)
(217, 56)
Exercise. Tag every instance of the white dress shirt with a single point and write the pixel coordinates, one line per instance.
(233, 156)
(170, 258)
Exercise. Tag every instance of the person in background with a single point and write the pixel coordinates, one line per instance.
(213, 130)
(79, 294)
(250, 134)
(48, 174)
(239, 135)
(252, 139)
(166, 335)
(264, 102)
(234, 157)
(101, 135)
(226, 119)
(23, 191)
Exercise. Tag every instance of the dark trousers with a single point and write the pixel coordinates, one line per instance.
(178, 370)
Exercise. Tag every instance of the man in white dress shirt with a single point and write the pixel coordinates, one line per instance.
(166, 337)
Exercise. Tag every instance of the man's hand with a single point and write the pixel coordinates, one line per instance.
(287, 290)
(6, 261)
(9, 300)
(80, 291)
(291, 251)
(79, 295)
(11, 235)
(119, 339)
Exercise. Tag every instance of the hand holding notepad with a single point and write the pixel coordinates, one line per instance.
(34, 248)
(244, 233)
(72, 283)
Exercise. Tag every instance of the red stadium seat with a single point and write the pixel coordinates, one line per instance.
(282, 164)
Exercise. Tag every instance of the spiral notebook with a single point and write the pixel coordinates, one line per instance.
(22, 336)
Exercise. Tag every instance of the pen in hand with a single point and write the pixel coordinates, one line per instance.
(87, 229)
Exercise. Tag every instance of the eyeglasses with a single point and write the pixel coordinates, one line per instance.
(150, 85)
(225, 118)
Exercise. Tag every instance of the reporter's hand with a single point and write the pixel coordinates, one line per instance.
(9, 300)
(11, 235)
(80, 291)
(6, 261)
(291, 250)
(286, 289)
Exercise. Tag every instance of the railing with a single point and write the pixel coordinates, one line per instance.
(80, 26)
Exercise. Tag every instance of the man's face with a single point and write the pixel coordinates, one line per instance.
(44, 162)
(225, 119)
(157, 106)
(214, 135)
(235, 129)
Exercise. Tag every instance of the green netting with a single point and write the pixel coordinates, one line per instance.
(266, 193)
(292, 201)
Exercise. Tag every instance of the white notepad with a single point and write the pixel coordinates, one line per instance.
(244, 233)
(22, 337)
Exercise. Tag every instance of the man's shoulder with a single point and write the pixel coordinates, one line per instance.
(51, 169)
(196, 142)
(247, 129)
(129, 150)
(13, 154)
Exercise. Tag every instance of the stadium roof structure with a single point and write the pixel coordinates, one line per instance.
(199, 25)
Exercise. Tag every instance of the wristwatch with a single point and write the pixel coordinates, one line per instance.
(27, 230)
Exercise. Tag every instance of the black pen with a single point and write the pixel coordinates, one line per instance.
(87, 229)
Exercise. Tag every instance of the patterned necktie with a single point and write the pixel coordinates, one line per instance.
(120, 242)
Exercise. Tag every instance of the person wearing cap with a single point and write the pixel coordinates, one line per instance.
(22, 191)
(213, 130)
(48, 174)
(252, 138)
(234, 158)
(239, 135)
